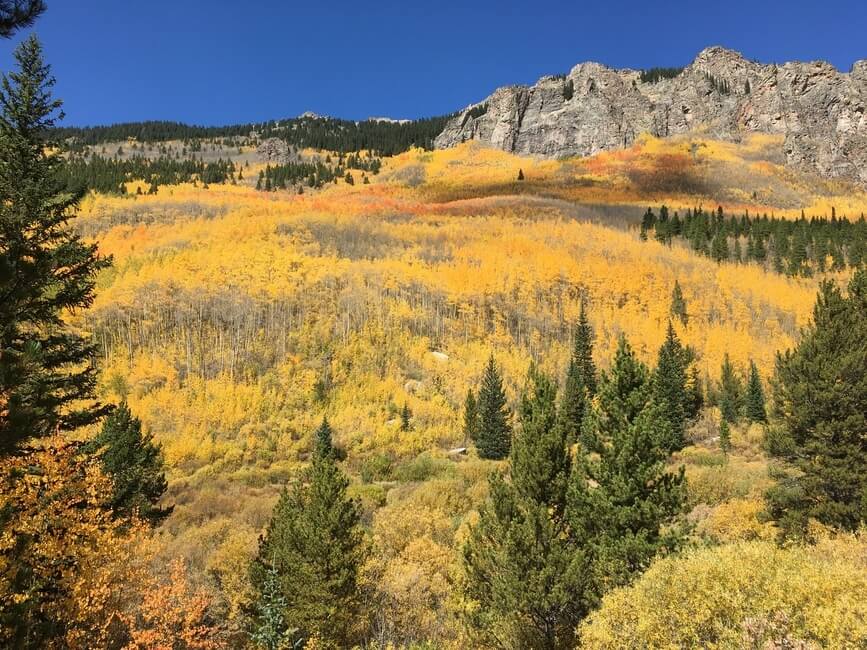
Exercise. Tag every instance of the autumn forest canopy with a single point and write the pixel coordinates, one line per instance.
(315, 383)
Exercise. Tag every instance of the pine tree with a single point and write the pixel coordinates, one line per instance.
(315, 545)
(730, 392)
(322, 440)
(580, 380)
(523, 574)
(45, 269)
(623, 392)
(622, 502)
(520, 174)
(678, 304)
(694, 394)
(135, 465)
(725, 436)
(405, 416)
(669, 387)
(754, 402)
(820, 398)
(471, 417)
(18, 14)
(493, 438)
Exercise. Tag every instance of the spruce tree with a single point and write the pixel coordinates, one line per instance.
(754, 402)
(18, 14)
(493, 438)
(678, 304)
(694, 394)
(471, 417)
(622, 502)
(580, 380)
(669, 387)
(405, 416)
(323, 444)
(315, 545)
(527, 581)
(820, 401)
(45, 269)
(725, 436)
(623, 392)
(730, 392)
(134, 463)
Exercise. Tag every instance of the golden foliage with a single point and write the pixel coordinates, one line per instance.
(745, 594)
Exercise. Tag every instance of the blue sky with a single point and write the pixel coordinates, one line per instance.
(220, 62)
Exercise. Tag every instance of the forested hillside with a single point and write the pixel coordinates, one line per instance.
(371, 395)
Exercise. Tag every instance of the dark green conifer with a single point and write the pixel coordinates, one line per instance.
(669, 388)
(754, 401)
(730, 392)
(494, 435)
(678, 304)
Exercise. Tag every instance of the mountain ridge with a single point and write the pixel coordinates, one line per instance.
(819, 111)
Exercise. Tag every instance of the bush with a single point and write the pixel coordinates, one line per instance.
(422, 468)
(747, 594)
(376, 468)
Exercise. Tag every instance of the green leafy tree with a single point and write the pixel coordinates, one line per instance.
(524, 577)
(134, 463)
(494, 435)
(820, 402)
(45, 269)
(669, 387)
(272, 631)
(730, 392)
(315, 545)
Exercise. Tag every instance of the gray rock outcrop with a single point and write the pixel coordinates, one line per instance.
(819, 111)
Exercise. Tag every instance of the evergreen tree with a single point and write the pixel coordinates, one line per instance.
(678, 304)
(45, 269)
(134, 463)
(622, 502)
(754, 402)
(820, 398)
(471, 417)
(405, 416)
(725, 436)
(18, 14)
(322, 440)
(520, 174)
(623, 392)
(730, 392)
(694, 395)
(669, 387)
(315, 546)
(527, 580)
(580, 380)
(493, 438)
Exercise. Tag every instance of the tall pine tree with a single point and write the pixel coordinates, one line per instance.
(820, 400)
(669, 387)
(524, 577)
(580, 384)
(754, 401)
(493, 438)
(315, 545)
(46, 374)
(730, 391)
(623, 392)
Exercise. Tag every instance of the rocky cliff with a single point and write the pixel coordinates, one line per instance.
(819, 110)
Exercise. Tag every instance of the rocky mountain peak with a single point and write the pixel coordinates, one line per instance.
(819, 111)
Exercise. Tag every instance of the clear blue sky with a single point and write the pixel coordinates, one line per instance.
(220, 62)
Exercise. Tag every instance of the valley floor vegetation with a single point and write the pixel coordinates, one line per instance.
(475, 401)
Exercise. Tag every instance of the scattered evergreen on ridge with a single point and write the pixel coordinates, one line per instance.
(792, 246)
(653, 75)
(387, 138)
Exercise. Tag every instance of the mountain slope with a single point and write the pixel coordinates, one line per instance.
(819, 111)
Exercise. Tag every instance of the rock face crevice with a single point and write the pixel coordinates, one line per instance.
(819, 111)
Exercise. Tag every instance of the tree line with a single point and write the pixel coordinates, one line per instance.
(798, 247)
(344, 136)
